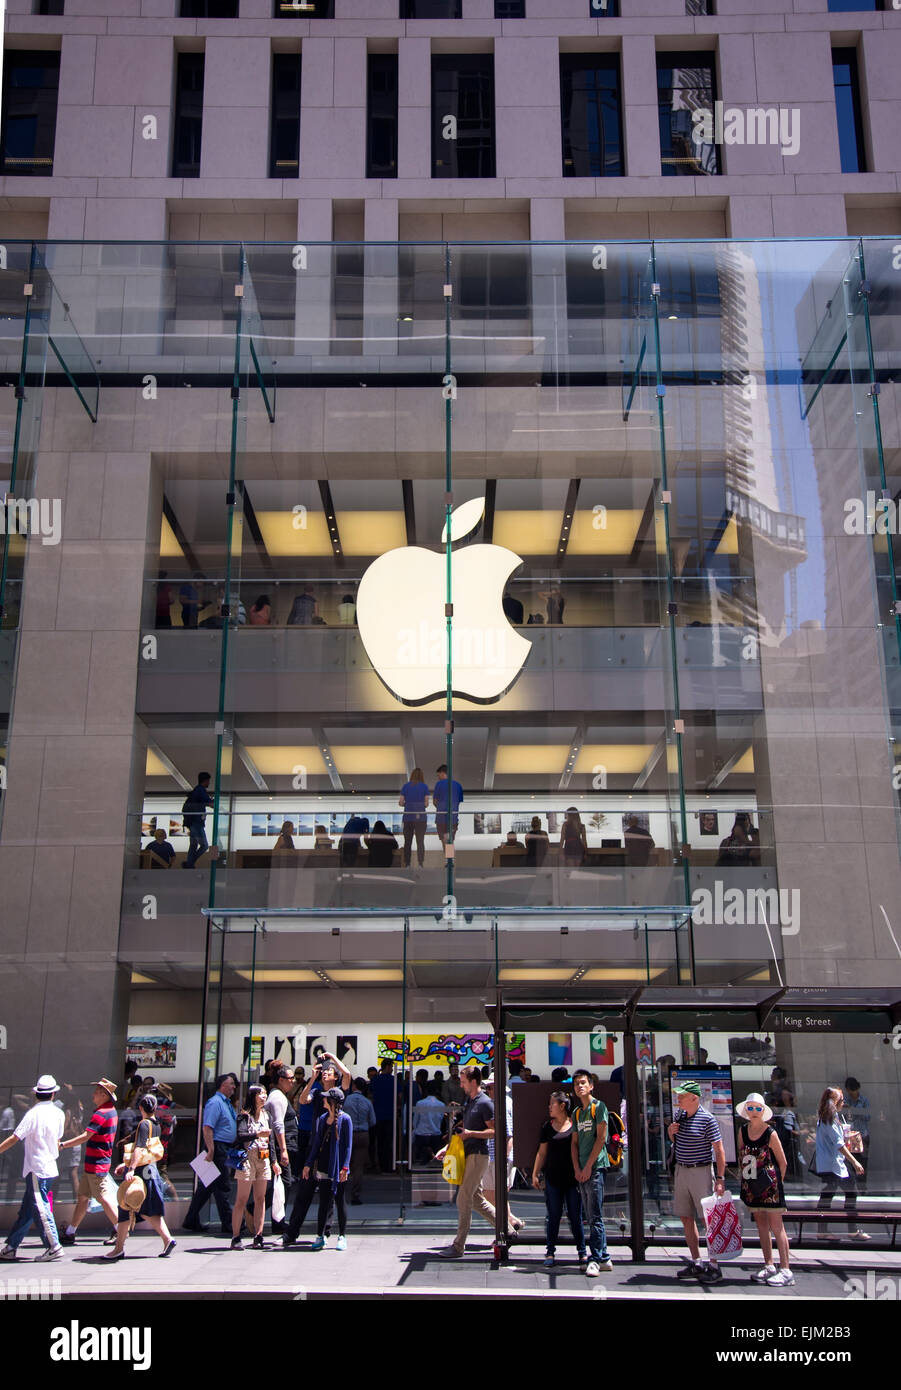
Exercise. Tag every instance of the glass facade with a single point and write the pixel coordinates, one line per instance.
(603, 530)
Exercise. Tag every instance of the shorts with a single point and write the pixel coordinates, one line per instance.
(488, 1180)
(691, 1186)
(98, 1185)
(255, 1166)
(70, 1158)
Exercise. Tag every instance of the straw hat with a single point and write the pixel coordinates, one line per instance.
(755, 1098)
(108, 1086)
(131, 1194)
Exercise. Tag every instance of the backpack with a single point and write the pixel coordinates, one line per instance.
(614, 1143)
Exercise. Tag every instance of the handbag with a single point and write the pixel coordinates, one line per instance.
(152, 1152)
(278, 1200)
(454, 1162)
(723, 1226)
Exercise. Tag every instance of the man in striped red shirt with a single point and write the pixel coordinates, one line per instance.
(98, 1155)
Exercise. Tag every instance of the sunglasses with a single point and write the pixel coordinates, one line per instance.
(753, 1107)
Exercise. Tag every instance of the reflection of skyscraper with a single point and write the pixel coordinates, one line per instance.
(754, 498)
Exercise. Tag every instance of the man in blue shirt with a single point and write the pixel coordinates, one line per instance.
(383, 1093)
(440, 799)
(349, 844)
(220, 1129)
(194, 819)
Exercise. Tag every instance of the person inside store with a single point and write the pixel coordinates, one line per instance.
(698, 1143)
(359, 1107)
(741, 847)
(857, 1115)
(414, 799)
(762, 1165)
(443, 793)
(304, 609)
(142, 1165)
(537, 844)
(349, 843)
(554, 1159)
(513, 609)
(322, 840)
(381, 845)
(162, 855)
(834, 1159)
(347, 611)
(261, 612)
(639, 843)
(429, 1115)
(285, 837)
(573, 839)
(555, 603)
(194, 819)
(511, 848)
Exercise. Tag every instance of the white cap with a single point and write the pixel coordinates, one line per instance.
(45, 1083)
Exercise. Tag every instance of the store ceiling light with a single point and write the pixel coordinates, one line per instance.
(372, 533)
(283, 760)
(154, 766)
(510, 974)
(369, 760)
(617, 758)
(616, 536)
(367, 977)
(169, 546)
(267, 976)
(617, 972)
(522, 758)
(138, 979)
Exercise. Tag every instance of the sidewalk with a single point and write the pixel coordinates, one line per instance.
(406, 1264)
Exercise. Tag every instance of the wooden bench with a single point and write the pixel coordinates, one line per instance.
(864, 1217)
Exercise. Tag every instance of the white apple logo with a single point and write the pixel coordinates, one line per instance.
(400, 614)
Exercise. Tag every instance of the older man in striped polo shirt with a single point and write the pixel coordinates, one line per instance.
(697, 1141)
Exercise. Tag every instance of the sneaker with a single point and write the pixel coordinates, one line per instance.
(780, 1278)
(342, 1243)
(7, 1253)
(710, 1274)
(605, 1264)
(761, 1276)
(237, 1244)
(318, 1243)
(451, 1253)
(593, 1269)
(258, 1243)
(689, 1271)
(858, 1235)
(65, 1239)
(54, 1253)
(548, 1262)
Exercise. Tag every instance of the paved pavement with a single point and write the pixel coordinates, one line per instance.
(405, 1263)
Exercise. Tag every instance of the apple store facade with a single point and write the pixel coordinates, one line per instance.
(608, 532)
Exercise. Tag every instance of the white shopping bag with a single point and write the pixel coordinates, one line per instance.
(723, 1227)
(278, 1200)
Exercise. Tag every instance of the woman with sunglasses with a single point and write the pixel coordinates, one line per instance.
(762, 1164)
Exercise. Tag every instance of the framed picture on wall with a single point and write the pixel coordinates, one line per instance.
(709, 822)
(253, 1051)
(644, 1048)
(150, 1053)
(691, 1049)
(559, 1049)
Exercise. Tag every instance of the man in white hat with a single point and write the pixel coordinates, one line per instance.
(40, 1130)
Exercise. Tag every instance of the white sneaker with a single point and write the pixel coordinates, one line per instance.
(54, 1253)
(781, 1278)
(593, 1269)
(762, 1275)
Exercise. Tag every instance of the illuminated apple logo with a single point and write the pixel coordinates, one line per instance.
(400, 614)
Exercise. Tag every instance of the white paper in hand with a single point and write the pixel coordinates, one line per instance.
(206, 1171)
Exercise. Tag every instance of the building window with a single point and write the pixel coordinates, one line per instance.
(699, 7)
(30, 89)
(188, 126)
(509, 9)
(49, 7)
(431, 9)
(209, 9)
(838, 6)
(603, 9)
(591, 115)
(381, 116)
(847, 111)
(463, 116)
(304, 9)
(284, 137)
(685, 84)
(492, 285)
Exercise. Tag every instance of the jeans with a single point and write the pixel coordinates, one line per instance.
(417, 828)
(592, 1193)
(556, 1198)
(198, 843)
(220, 1190)
(326, 1197)
(303, 1198)
(384, 1135)
(34, 1208)
(832, 1181)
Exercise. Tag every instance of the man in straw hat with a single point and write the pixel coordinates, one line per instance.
(40, 1130)
(697, 1141)
(95, 1180)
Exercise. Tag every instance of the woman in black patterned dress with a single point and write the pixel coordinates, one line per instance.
(761, 1164)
